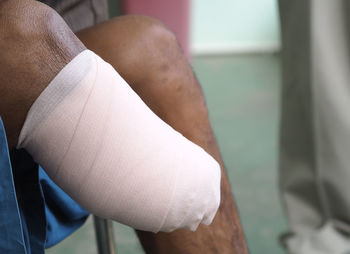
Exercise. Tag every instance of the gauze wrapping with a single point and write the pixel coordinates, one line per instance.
(102, 145)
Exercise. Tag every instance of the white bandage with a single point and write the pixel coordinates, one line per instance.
(102, 145)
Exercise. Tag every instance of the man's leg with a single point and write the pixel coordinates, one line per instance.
(314, 168)
(35, 44)
(148, 57)
(61, 133)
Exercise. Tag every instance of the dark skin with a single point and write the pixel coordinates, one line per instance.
(32, 53)
(39, 44)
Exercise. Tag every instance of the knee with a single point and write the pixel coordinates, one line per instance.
(147, 37)
(34, 41)
(33, 28)
(25, 18)
(154, 49)
(152, 38)
(35, 44)
(139, 47)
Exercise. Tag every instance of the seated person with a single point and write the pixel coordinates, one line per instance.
(96, 137)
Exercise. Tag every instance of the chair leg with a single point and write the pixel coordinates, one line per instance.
(104, 236)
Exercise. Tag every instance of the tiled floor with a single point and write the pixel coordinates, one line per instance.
(243, 98)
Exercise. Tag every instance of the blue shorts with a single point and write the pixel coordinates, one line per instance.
(34, 212)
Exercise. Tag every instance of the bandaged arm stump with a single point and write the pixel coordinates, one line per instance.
(101, 144)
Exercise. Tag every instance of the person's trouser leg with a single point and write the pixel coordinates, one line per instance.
(314, 160)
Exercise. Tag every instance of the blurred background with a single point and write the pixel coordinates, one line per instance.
(234, 49)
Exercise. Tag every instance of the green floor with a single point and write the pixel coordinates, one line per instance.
(243, 98)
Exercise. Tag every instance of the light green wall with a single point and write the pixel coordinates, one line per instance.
(236, 25)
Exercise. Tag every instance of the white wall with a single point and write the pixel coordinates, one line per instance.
(234, 26)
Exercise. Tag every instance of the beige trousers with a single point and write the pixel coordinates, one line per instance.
(315, 125)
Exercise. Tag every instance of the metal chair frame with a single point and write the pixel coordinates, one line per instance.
(104, 236)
